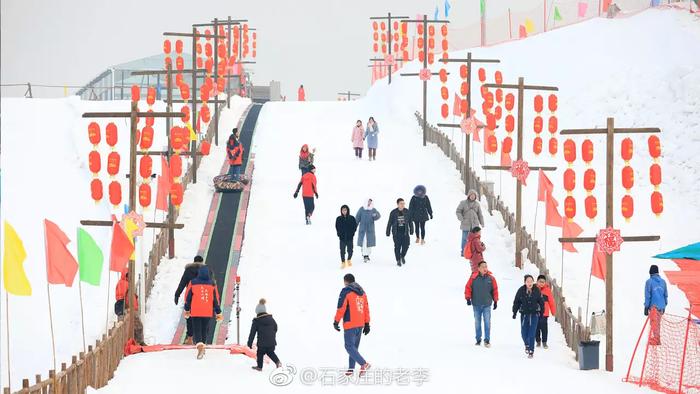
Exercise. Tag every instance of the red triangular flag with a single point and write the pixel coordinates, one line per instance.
(552, 215)
(599, 263)
(544, 186)
(121, 250)
(523, 31)
(164, 182)
(570, 230)
(374, 72)
(456, 110)
(61, 266)
(505, 159)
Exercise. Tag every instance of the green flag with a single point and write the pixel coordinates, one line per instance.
(557, 15)
(90, 258)
(482, 6)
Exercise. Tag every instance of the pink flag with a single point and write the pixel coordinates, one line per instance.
(456, 111)
(582, 7)
(505, 159)
(570, 230)
(374, 72)
(544, 186)
(598, 264)
(552, 216)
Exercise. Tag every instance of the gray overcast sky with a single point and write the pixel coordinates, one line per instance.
(324, 44)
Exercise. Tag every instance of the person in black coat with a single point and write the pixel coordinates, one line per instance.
(191, 272)
(345, 227)
(421, 212)
(401, 226)
(529, 302)
(265, 326)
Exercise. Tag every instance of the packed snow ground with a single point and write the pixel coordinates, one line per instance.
(419, 316)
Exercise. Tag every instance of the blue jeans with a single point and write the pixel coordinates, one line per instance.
(465, 233)
(352, 343)
(482, 311)
(234, 172)
(528, 327)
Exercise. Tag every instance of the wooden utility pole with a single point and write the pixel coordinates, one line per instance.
(425, 22)
(521, 88)
(609, 133)
(349, 94)
(388, 18)
(133, 115)
(467, 146)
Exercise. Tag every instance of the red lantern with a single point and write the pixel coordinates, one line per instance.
(175, 166)
(375, 47)
(168, 62)
(627, 149)
(167, 47)
(186, 111)
(570, 207)
(209, 65)
(443, 75)
(135, 93)
(176, 194)
(507, 145)
(205, 147)
(654, 147)
(463, 107)
(220, 84)
(421, 56)
(499, 95)
(591, 207)
(431, 30)
(443, 29)
(179, 63)
(657, 203)
(498, 112)
(569, 151)
(115, 193)
(96, 189)
(553, 146)
(94, 162)
(463, 71)
(375, 26)
(569, 180)
(464, 88)
(510, 101)
(222, 50)
(421, 42)
(179, 80)
(537, 145)
(627, 177)
(149, 119)
(491, 121)
(151, 96)
(444, 93)
(484, 91)
(482, 75)
(419, 29)
(205, 114)
(552, 102)
(498, 76)
(492, 143)
(627, 207)
(146, 137)
(113, 160)
(539, 102)
(444, 45)
(145, 194)
(589, 180)
(146, 167)
(178, 47)
(553, 124)
(587, 151)
(94, 133)
(510, 123)
(655, 175)
(444, 110)
(185, 91)
(431, 58)
(111, 134)
(538, 124)
(177, 140)
(208, 50)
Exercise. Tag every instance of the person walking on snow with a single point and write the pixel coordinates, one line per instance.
(474, 250)
(372, 137)
(353, 308)
(234, 153)
(421, 212)
(265, 326)
(401, 226)
(345, 227)
(528, 301)
(301, 94)
(201, 303)
(480, 292)
(469, 216)
(358, 139)
(550, 309)
(306, 158)
(307, 184)
(366, 238)
(655, 301)
(191, 272)
(121, 293)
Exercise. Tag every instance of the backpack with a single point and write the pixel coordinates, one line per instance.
(468, 251)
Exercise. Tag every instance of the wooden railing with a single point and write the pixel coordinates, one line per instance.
(572, 325)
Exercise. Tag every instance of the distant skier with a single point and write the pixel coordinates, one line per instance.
(306, 158)
(401, 226)
(122, 303)
(480, 292)
(265, 326)
(307, 184)
(191, 272)
(469, 216)
(655, 301)
(345, 227)
(301, 94)
(372, 137)
(421, 212)
(474, 249)
(366, 238)
(353, 308)
(528, 301)
(201, 303)
(550, 309)
(234, 152)
(358, 139)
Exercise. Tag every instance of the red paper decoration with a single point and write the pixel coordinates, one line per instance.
(96, 189)
(115, 193)
(591, 205)
(627, 149)
(146, 167)
(569, 151)
(609, 240)
(627, 178)
(654, 147)
(94, 162)
(145, 194)
(539, 102)
(94, 133)
(570, 208)
(587, 151)
(113, 160)
(537, 145)
(627, 207)
(589, 180)
(111, 134)
(655, 175)
(519, 169)
(657, 203)
(569, 180)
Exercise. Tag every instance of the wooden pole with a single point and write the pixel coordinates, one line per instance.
(82, 315)
(132, 207)
(193, 144)
(216, 78)
(53, 339)
(467, 143)
(109, 278)
(7, 337)
(228, 54)
(519, 186)
(425, 83)
(609, 222)
(171, 209)
(685, 350)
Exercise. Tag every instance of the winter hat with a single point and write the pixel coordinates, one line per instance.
(260, 308)
(419, 191)
(654, 269)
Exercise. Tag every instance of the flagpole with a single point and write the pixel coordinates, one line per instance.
(109, 277)
(562, 256)
(82, 316)
(588, 296)
(53, 339)
(7, 329)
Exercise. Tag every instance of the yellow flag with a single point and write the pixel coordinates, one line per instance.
(129, 228)
(529, 26)
(16, 281)
(193, 135)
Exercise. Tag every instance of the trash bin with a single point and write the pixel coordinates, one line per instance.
(588, 355)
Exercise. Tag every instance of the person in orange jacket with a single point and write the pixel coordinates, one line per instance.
(307, 184)
(201, 302)
(474, 249)
(301, 95)
(480, 292)
(550, 309)
(234, 154)
(353, 308)
(121, 293)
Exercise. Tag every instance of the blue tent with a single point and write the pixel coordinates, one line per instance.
(690, 252)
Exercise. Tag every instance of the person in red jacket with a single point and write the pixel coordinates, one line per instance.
(550, 309)
(234, 153)
(474, 249)
(480, 292)
(121, 293)
(307, 184)
(353, 308)
(201, 302)
(301, 95)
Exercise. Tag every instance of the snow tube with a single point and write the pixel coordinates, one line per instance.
(224, 184)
